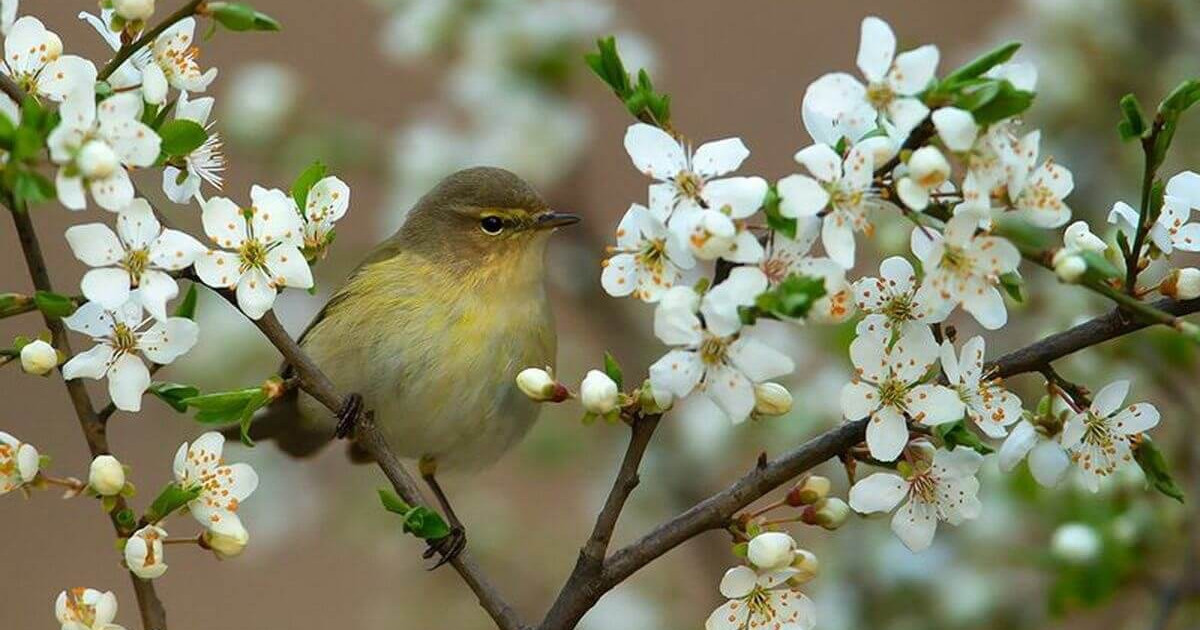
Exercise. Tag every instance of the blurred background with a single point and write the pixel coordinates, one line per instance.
(393, 94)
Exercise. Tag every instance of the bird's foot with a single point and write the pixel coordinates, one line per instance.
(348, 416)
(449, 546)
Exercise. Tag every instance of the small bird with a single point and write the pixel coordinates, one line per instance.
(431, 329)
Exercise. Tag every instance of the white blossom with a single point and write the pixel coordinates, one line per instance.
(1173, 228)
(1040, 201)
(38, 357)
(1100, 438)
(86, 609)
(762, 600)
(144, 552)
(231, 541)
(204, 164)
(263, 244)
(771, 399)
(175, 57)
(926, 172)
(95, 144)
(888, 386)
(894, 303)
(771, 551)
(120, 335)
(33, 59)
(139, 256)
(598, 393)
(327, 202)
(1039, 439)
(537, 384)
(134, 9)
(648, 258)
(1180, 284)
(942, 490)
(223, 486)
(963, 267)
(786, 256)
(19, 463)
(106, 476)
(988, 404)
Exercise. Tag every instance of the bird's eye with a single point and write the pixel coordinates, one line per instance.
(491, 225)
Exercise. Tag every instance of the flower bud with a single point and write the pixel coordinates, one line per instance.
(807, 564)
(38, 357)
(831, 513)
(811, 489)
(1080, 238)
(229, 542)
(1075, 543)
(134, 9)
(539, 386)
(28, 462)
(144, 552)
(1181, 284)
(928, 167)
(1069, 266)
(154, 85)
(771, 399)
(712, 235)
(97, 160)
(106, 476)
(598, 393)
(770, 551)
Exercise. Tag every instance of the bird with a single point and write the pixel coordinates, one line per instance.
(430, 330)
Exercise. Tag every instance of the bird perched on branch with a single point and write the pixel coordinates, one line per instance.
(431, 329)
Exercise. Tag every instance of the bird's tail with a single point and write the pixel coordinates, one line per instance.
(281, 423)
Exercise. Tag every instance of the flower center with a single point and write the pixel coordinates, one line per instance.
(123, 338)
(1097, 432)
(923, 487)
(253, 255)
(689, 183)
(880, 95)
(136, 261)
(713, 349)
(82, 612)
(899, 308)
(892, 392)
(758, 602)
(776, 269)
(956, 259)
(653, 253)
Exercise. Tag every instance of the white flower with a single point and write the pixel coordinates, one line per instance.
(1180, 284)
(894, 304)
(94, 144)
(8, 15)
(837, 105)
(771, 399)
(944, 490)
(1099, 438)
(106, 476)
(222, 486)
(771, 551)
(1173, 229)
(702, 208)
(144, 552)
(648, 259)
(139, 256)
(327, 202)
(998, 163)
(1079, 237)
(86, 609)
(888, 386)
(1075, 543)
(842, 186)
(956, 127)
(38, 357)
(204, 164)
(598, 393)
(991, 407)
(19, 463)
(266, 249)
(134, 9)
(537, 384)
(175, 57)
(962, 267)
(762, 601)
(1040, 202)
(119, 335)
(1048, 460)
(713, 356)
(33, 58)
(928, 170)
(785, 257)
(229, 542)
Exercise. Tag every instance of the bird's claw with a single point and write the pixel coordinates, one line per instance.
(449, 546)
(348, 416)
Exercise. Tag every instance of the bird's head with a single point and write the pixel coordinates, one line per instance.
(482, 218)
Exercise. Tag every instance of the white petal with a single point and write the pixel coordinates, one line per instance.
(906, 114)
(255, 294)
(92, 364)
(987, 305)
(275, 218)
(1048, 462)
(759, 361)
(675, 321)
(887, 433)
(677, 373)
(915, 524)
(289, 268)
(155, 290)
(1019, 442)
(154, 85)
(837, 235)
(911, 357)
(932, 405)
(739, 197)
(731, 391)
(1135, 418)
(127, 381)
(70, 190)
(876, 48)
(869, 355)
(914, 70)
(859, 400)
(913, 195)
(113, 192)
(167, 340)
(822, 161)
(218, 269)
(956, 127)
(880, 492)
(179, 185)
(137, 225)
(949, 363)
(224, 222)
(654, 152)
(746, 249)
(1124, 217)
(720, 305)
(174, 250)
(1109, 399)
(327, 201)
(719, 157)
(1186, 186)
(91, 319)
(95, 244)
(738, 582)
(133, 141)
(108, 286)
(801, 196)
(732, 615)
(65, 75)
(836, 106)
(620, 276)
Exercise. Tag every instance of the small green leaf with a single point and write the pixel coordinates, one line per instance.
(226, 407)
(775, 219)
(187, 307)
(423, 522)
(174, 394)
(27, 143)
(607, 65)
(304, 183)
(33, 188)
(238, 16)
(955, 434)
(1133, 121)
(1099, 267)
(1182, 98)
(53, 304)
(170, 499)
(1008, 102)
(181, 136)
(392, 502)
(980, 65)
(1157, 471)
(793, 297)
(613, 370)
(1013, 285)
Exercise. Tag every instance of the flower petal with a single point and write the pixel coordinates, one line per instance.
(107, 286)
(255, 294)
(739, 197)
(731, 391)
(914, 69)
(876, 48)
(932, 405)
(1135, 419)
(95, 244)
(127, 381)
(92, 364)
(915, 524)
(887, 433)
(168, 339)
(654, 152)
(1048, 462)
(821, 161)
(759, 361)
(879, 492)
(801, 196)
(289, 268)
(90, 319)
(719, 157)
(1023, 438)
(274, 217)
(224, 223)
(218, 269)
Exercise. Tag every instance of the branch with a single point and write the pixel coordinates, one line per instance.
(154, 616)
(14, 91)
(125, 52)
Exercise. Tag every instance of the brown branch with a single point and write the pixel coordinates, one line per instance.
(14, 91)
(154, 616)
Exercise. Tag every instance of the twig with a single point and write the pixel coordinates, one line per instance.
(193, 7)
(14, 91)
(1133, 259)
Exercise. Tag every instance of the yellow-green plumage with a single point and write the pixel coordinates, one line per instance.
(432, 329)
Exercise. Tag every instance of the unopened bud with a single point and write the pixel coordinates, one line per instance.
(713, 235)
(1181, 284)
(771, 399)
(134, 9)
(807, 564)
(598, 393)
(1080, 237)
(38, 357)
(928, 167)
(811, 489)
(144, 552)
(1069, 266)
(229, 542)
(106, 476)
(97, 160)
(832, 513)
(1075, 543)
(539, 386)
(771, 550)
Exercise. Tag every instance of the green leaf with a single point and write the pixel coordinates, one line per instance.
(793, 297)
(955, 434)
(170, 499)
(223, 407)
(980, 65)
(238, 16)
(607, 65)
(1008, 102)
(423, 522)
(1157, 471)
(1099, 267)
(613, 370)
(174, 394)
(775, 220)
(1133, 121)
(304, 183)
(53, 304)
(1013, 285)
(33, 188)
(392, 502)
(187, 308)
(181, 136)
(1182, 98)
(27, 143)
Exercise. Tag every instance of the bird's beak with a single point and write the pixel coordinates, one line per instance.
(550, 220)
